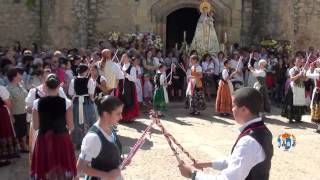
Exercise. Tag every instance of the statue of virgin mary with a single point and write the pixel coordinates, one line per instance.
(205, 39)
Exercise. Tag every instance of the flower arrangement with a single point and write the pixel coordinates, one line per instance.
(143, 40)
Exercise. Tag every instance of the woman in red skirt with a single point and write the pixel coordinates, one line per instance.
(8, 146)
(127, 92)
(53, 156)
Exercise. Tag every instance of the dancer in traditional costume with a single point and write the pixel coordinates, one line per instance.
(315, 101)
(8, 145)
(101, 149)
(294, 105)
(127, 92)
(53, 156)
(82, 91)
(160, 97)
(252, 152)
(194, 92)
(225, 90)
(260, 85)
(251, 79)
(33, 94)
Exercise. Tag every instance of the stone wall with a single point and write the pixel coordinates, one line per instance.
(306, 23)
(79, 23)
(19, 21)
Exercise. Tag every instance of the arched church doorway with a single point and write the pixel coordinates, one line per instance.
(178, 22)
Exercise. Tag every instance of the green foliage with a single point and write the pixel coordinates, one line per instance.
(31, 3)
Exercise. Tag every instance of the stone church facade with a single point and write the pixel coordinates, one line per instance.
(83, 23)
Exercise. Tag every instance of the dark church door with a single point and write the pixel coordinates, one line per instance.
(178, 22)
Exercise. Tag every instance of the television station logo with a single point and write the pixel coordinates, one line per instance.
(286, 141)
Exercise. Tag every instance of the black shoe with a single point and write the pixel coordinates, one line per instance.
(24, 151)
(4, 163)
(298, 121)
(13, 156)
(196, 113)
(290, 121)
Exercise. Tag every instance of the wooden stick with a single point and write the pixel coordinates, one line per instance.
(170, 138)
(308, 58)
(115, 55)
(181, 66)
(137, 145)
(249, 63)
(240, 60)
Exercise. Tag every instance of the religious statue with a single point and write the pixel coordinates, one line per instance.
(205, 39)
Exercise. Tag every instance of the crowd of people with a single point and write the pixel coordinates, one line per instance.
(74, 98)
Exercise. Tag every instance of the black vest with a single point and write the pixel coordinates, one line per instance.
(127, 90)
(1, 102)
(157, 80)
(263, 136)
(97, 90)
(109, 157)
(81, 86)
(52, 118)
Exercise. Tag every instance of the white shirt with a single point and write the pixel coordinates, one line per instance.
(315, 75)
(116, 68)
(259, 73)
(112, 72)
(36, 102)
(91, 87)
(32, 95)
(225, 74)
(234, 64)
(4, 93)
(293, 71)
(246, 154)
(158, 61)
(132, 76)
(91, 144)
(218, 66)
(207, 66)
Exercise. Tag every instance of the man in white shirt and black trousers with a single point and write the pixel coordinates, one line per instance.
(251, 154)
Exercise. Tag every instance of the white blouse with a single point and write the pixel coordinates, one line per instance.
(32, 95)
(132, 76)
(259, 73)
(91, 87)
(4, 93)
(68, 104)
(225, 74)
(91, 144)
(208, 65)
